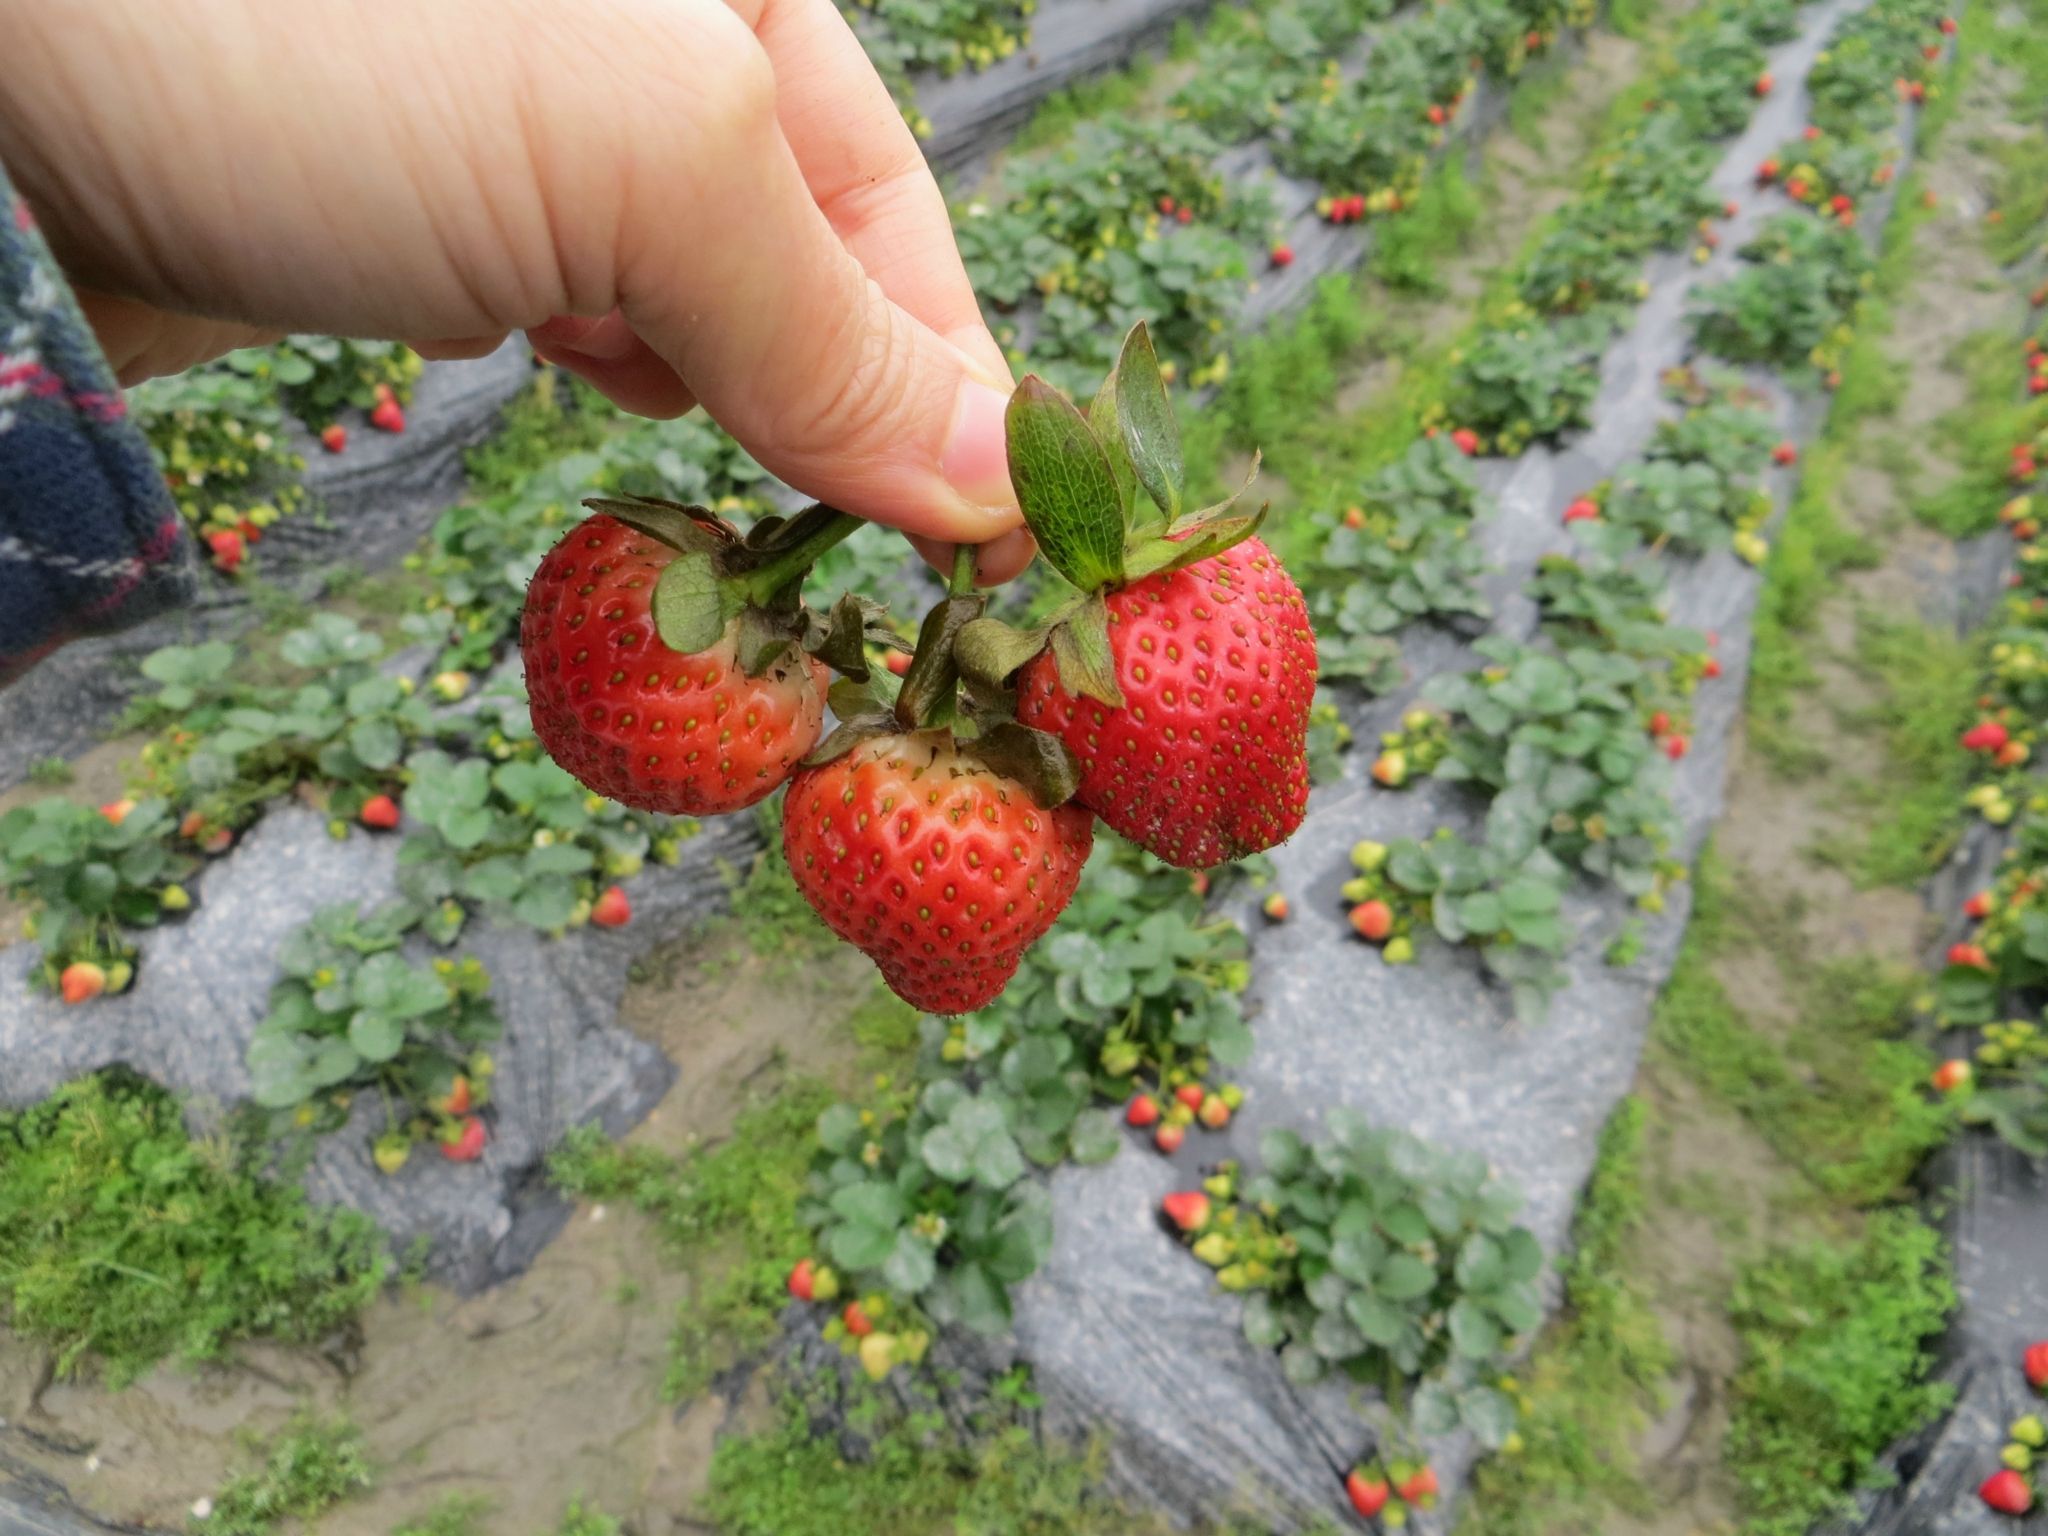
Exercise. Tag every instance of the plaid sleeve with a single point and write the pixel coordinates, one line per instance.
(89, 539)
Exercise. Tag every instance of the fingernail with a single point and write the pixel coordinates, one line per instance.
(976, 459)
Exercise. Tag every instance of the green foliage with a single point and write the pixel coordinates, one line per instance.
(1430, 229)
(1835, 1360)
(1520, 384)
(88, 879)
(315, 376)
(220, 439)
(308, 1467)
(123, 1238)
(1790, 305)
(459, 1514)
(1373, 1254)
(50, 772)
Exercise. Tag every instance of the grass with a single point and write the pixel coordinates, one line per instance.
(1595, 1381)
(123, 1239)
(1834, 1341)
(465, 1514)
(308, 1467)
(731, 1208)
(1978, 435)
(1415, 243)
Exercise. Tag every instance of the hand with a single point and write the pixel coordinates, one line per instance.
(679, 200)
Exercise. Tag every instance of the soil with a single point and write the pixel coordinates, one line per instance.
(542, 1390)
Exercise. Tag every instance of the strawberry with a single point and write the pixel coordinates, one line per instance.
(1436, 115)
(1730, 208)
(1169, 1137)
(379, 813)
(1711, 667)
(1191, 1095)
(2034, 1363)
(1948, 26)
(388, 416)
(1214, 1113)
(116, 811)
(1985, 736)
(81, 982)
(391, 1152)
(1583, 510)
(1419, 1486)
(1969, 956)
(2007, 1492)
(1184, 214)
(877, 1355)
(1187, 1209)
(1660, 723)
(1810, 132)
(941, 869)
(1841, 202)
(857, 1321)
(1282, 255)
(463, 1142)
(334, 437)
(1768, 171)
(1275, 907)
(1764, 82)
(1676, 747)
(694, 732)
(1466, 441)
(1795, 188)
(898, 662)
(1166, 205)
(1390, 769)
(1951, 1076)
(1204, 760)
(1978, 906)
(803, 1279)
(1368, 1492)
(1372, 920)
(1785, 453)
(227, 547)
(1142, 1112)
(456, 1100)
(612, 909)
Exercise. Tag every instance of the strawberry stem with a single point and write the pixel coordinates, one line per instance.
(963, 570)
(810, 533)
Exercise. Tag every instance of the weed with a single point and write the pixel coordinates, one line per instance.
(1415, 243)
(308, 1467)
(50, 772)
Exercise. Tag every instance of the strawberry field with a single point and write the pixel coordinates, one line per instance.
(1562, 1053)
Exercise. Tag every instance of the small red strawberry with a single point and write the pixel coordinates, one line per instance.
(1948, 26)
(1978, 906)
(1764, 82)
(1660, 723)
(1795, 188)
(1372, 920)
(856, 1320)
(942, 870)
(1184, 214)
(1169, 1137)
(464, 1141)
(227, 547)
(684, 733)
(1275, 907)
(1419, 1487)
(898, 662)
(1675, 747)
(117, 811)
(1214, 1113)
(1951, 1076)
(612, 909)
(1368, 1492)
(1810, 132)
(1730, 208)
(1768, 171)
(2007, 1492)
(81, 982)
(1187, 1209)
(1191, 1094)
(456, 1100)
(379, 813)
(2034, 1363)
(1436, 115)
(1282, 255)
(1583, 510)
(1969, 956)
(1142, 1112)
(1166, 205)
(1985, 736)
(1711, 667)
(1841, 202)
(1785, 453)
(1467, 441)
(388, 416)
(812, 1281)
(334, 437)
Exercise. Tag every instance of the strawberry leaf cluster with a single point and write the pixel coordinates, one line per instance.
(315, 376)
(91, 878)
(220, 439)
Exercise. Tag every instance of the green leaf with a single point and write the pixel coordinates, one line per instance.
(1404, 1277)
(1066, 487)
(1262, 1326)
(1489, 1414)
(387, 985)
(988, 651)
(669, 522)
(693, 604)
(855, 1245)
(1038, 760)
(1145, 415)
(1081, 651)
(1473, 1333)
(910, 1266)
(870, 1203)
(1480, 1264)
(375, 1036)
(1102, 421)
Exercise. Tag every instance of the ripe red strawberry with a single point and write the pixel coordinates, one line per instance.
(1142, 1111)
(227, 547)
(334, 437)
(1785, 453)
(1951, 1076)
(2034, 1363)
(856, 1319)
(117, 811)
(379, 813)
(2007, 1492)
(1660, 722)
(1186, 1209)
(937, 867)
(1985, 736)
(1214, 1113)
(1166, 205)
(456, 1100)
(1184, 214)
(1191, 1094)
(1730, 208)
(1711, 667)
(812, 1281)
(898, 662)
(1372, 920)
(464, 1142)
(1169, 1137)
(1437, 115)
(1282, 255)
(1764, 82)
(612, 909)
(1811, 132)
(1948, 26)
(1368, 1492)
(1467, 441)
(81, 982)
(1768, 171)
(684, 735)
(1275, 907)
(1795, 188)
(1978, 906)
(388, 416)
(1419, 1486)
(1676, 747)
(1583, 510)
(1971, 956)
(1206, 760)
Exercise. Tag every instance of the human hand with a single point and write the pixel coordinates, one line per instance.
(678, 200)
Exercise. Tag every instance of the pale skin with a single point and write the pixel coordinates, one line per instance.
(684, 202)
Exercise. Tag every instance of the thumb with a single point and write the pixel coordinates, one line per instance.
(779, 332)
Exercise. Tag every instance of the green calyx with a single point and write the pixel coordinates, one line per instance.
(980, 725)
(1104, 496)
(720, 579)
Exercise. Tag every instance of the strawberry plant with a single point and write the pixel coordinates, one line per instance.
(1373, 1255)
(1790, 305)
(220, 439)
(352, 1014)
(89, 877)
(1518, 383)
(315, 376)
